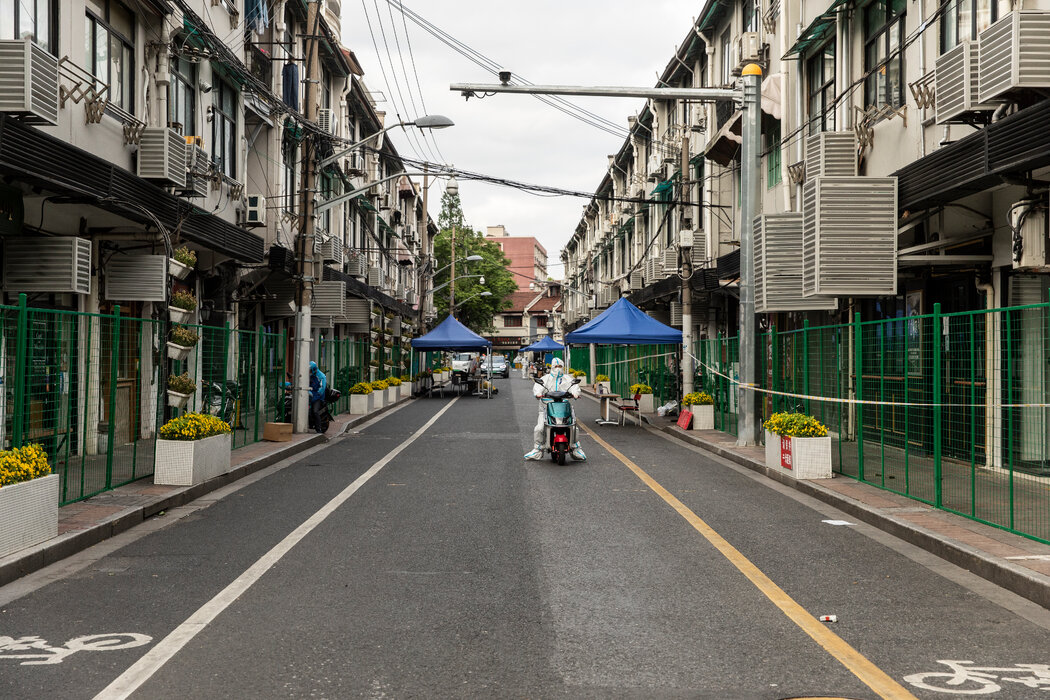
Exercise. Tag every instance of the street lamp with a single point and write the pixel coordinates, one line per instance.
(469, 258)
(430, 121)
(472, 296)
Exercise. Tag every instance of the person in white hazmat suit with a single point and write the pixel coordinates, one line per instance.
(555, 380)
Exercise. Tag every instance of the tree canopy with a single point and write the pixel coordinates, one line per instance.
(474, 311)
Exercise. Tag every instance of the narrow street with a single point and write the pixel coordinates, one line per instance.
(430, 560)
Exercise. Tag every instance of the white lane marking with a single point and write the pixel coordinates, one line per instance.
(142, 670)
(837, 522)
(40, 653)
(1031, 557)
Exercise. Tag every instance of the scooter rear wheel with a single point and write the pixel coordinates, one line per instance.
(561, 458)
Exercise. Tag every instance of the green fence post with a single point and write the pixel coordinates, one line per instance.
(21, 346)
(260, 378)
(973, 420)
(858, 386)
(777, 402)
(805, 362)
(936, 396)
(1008, 381)
(113, 369)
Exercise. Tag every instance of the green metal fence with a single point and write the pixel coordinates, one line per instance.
(625, 365)
(949, 409)
(91, 389)
(345, 362)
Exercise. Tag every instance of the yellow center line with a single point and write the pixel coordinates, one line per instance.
(870, 674)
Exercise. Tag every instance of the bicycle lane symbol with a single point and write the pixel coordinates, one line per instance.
(965, 679)
(34, 651)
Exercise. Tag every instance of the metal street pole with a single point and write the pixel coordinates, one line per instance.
(425, 237)
(750, 202)
(686, 270)
(303, 330)
(751, 135)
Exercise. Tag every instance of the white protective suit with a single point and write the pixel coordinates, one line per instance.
(564, 382)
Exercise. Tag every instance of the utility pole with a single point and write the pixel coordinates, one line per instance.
(425, 237)
(452, 283)
(306, 271)
(686, 271)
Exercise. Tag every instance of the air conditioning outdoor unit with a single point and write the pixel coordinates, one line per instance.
(1013, 54)
(332, 251)
(956, 83)
(255, 211)
(748, 49)
(676, 314)
(778, 266)
(399, 292)
(137, 278)
(326, 120)
(354, 164)
(28, 81)
(356, 266)
(357, 315)
(849, 244)
(831, 153)
(410, 297)
(162, 156)
(698, 253)
(670, 262)
(637, 280)
(329, 298)
(1028, 220)
(375, 277)
(282, 302)
(56, 265)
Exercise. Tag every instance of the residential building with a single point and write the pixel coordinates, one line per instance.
(531, 316)
(528, 258)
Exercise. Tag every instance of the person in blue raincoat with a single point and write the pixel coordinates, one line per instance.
(318, 388)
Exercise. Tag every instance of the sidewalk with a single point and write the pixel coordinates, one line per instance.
(1013, 562)
(88, 522)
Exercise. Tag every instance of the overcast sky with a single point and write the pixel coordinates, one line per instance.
(516, 137)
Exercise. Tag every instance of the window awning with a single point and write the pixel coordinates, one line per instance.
(716, 10)
(816, 33)
(663, 187)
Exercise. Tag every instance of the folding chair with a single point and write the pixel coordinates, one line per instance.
(624, 407)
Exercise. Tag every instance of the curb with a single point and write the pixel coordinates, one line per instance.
(1017, 579)
(26, 561)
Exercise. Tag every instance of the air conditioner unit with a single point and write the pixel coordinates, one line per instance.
(399, 292)
(255, 211)
(956, 83)
(832, 153)
(410, 297)
(778, 266)
(670, 262)
(676, 314)
(698, 253)
(849, 242)
(357, 315)
(137, 278)
(329, 298)
(326, 120)
(748, 49)
(1013, 55)
(197, 160)
(56, 265)
(637, 280)
(354, 164)
(375, 277)
(332, 251)
(1028, 222)
(28, 82)
(162, 156)
(356, 266)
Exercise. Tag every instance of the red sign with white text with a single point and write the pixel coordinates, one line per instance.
(685, 420)
(785, 452)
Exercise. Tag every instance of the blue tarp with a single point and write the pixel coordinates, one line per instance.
(545, 344)
(450, 334)
(623, 323)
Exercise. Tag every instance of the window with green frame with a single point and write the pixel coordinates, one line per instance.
(773, 155)
(883, 58)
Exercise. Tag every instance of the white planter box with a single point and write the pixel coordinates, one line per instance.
(645, 404)
(393, 393)
(29, 513)
(360, 404)
(703, 417)
(189, 462)
(378, 399)
(178, 270)
(180, 316)
(406, 390)
(177, 400)
(802, 458)
(178, 352)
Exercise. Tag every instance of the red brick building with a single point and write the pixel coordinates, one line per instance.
(528, 259)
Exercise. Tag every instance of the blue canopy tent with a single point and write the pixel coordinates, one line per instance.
(453, 336)
(545, 346)
(623, 323)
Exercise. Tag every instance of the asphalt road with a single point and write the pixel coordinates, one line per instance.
(421, 557)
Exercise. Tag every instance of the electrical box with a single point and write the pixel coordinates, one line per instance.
(255, 212)
(1028, 223)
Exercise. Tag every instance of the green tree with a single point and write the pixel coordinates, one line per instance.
(475, 312)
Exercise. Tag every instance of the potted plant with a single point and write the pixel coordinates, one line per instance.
(180, 389)
(393, 391)
(379, 387)
(601, 384)
(181, 307)
(28, 498)
(645, 402)
(406, 385)
(799, 445)
(702, 406)
(192, 448)
(360, 398)
(182, 262)
(181, 341)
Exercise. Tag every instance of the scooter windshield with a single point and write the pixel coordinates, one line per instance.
(559, 413)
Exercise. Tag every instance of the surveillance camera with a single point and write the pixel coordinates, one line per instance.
(504, 77)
